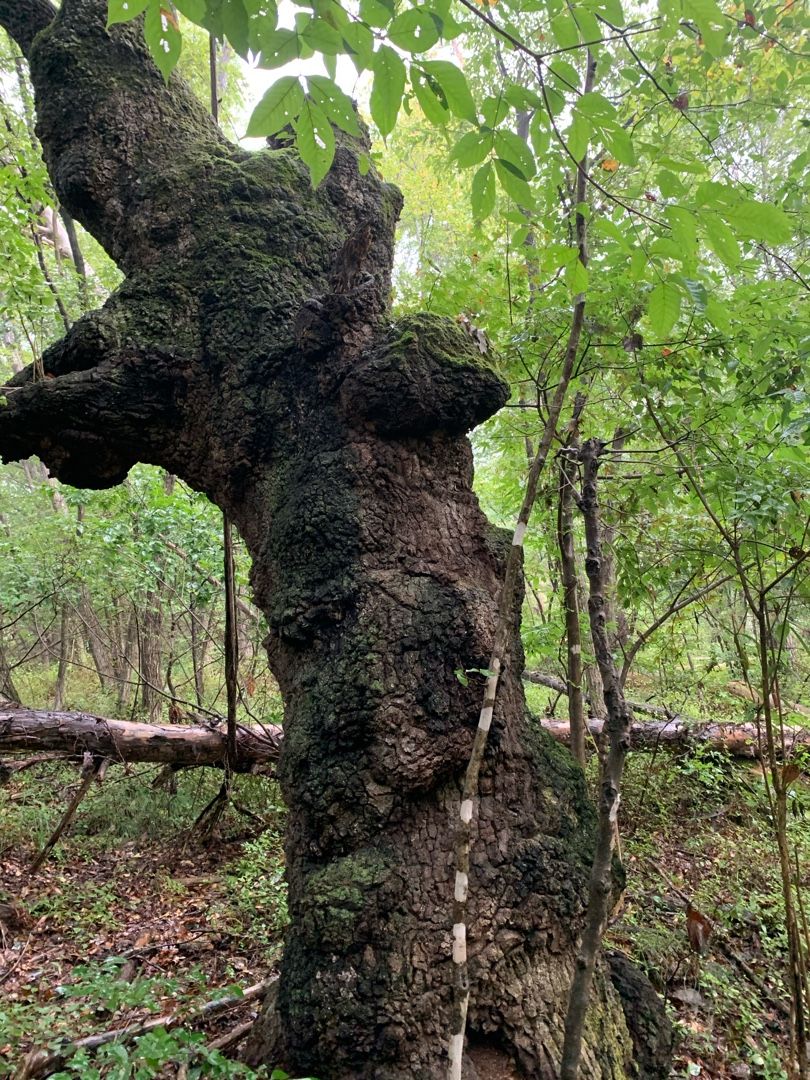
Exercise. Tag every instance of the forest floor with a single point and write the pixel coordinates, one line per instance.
(131, 917)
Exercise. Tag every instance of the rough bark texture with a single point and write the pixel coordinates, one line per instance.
(249, 351)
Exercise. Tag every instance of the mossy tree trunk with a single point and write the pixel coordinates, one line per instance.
(249, 350)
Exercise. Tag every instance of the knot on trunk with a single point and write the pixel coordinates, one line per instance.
(426, 375)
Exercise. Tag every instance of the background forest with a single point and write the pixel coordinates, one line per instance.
(688, 252)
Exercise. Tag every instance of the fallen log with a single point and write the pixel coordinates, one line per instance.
(78, 733)
(674, 732)
(177, 746)
(742, 690)
(736, 740)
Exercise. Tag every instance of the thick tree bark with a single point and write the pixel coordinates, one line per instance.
(249, 351)
(76, 733)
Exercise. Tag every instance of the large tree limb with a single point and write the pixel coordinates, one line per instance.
(23, 20)
(90, 425)
(78, 733)
(117, 141)
(737, 740)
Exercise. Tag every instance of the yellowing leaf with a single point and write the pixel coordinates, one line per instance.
(609, 164)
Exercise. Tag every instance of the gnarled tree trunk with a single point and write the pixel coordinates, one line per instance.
(249, 350)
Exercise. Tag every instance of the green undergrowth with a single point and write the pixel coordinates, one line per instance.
(698, 825)
(695, 825)
(131, 878)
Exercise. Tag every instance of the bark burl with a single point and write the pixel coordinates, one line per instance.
(250, 351)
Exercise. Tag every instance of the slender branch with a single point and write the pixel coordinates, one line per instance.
(503, 631)
(41, 1063)
(672, 609)
(565, 540)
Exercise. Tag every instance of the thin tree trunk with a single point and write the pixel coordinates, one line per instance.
(96, 639)
(150, 652)
(65, 655)
(125, 663)
(619, 722)
(568, 568)
(8, 690)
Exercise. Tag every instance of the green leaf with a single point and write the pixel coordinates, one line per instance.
(556, 101)
(322, 37)
(454, 87)
(279, 107)
(610, 10)
(565, 31)
(578, 135)
(194, 10)
(119, 11)
(512, 148)
(711, 22)
(566, 73)
(717, 313)
(433, 106)
(414, 30)
(513, 184)
(522, 98)
(619, 143)
(279, 47)
(359, 41)
(540, 134)
(663, 308)
(337, 105)
(494, 109)
(471, 148)
(315, 140)
(388, 88)
(638, 264)
(596, 106)
(377, 13)
(162, 37)
(762, 221)
(684, 231)
(235, 25)
(483, 192)
(576, 277)
(669, 185)
(697, 292)
(721, 240)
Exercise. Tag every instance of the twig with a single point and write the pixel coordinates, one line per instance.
(95, 768)
(41, 1063)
